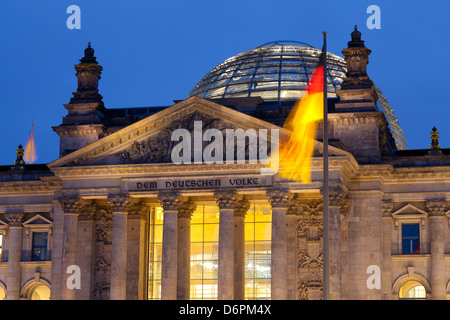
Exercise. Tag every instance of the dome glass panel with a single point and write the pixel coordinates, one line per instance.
(274, 71)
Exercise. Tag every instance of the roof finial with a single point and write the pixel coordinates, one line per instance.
(356, 38)
(19, 163)
(435, 147)
(88, 55)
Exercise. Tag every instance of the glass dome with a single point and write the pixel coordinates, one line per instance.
(274, 71)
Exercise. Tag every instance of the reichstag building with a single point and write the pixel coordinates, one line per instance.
(115, 217)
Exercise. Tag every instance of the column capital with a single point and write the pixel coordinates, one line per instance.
(435, 207)
(186, 208)
(387, 206)
(87, 209)
(14, 219)
(278, 198)
(169, 200)
(241, 207)
(70, 205)
(137, 209)
(225, 199)
(119, 203)
(336, 196)
(294, 206)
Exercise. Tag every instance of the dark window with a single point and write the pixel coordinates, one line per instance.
(410, 239)
(39, 250)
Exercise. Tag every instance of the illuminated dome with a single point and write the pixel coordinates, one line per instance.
(274, 71)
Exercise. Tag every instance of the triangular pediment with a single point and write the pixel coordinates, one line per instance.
(37, 220)
(409, 211)
(149, 140)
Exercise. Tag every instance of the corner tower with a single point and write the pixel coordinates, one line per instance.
(356, 121)
(84, 123)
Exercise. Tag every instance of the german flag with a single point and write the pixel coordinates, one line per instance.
(30, 155)
(295, 156)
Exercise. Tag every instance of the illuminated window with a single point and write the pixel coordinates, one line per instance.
(40, 292)
(1, 246)
(412, 290)
(410, 238)
(39, 246)
(2, 294)
(204, 253)
(258, 229)
(155, 253)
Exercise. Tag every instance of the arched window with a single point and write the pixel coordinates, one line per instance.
(40, 292)
(412, 290)
(2, 293)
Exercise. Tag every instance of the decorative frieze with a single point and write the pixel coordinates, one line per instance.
(387, 206)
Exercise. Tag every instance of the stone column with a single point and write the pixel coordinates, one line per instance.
(86, 246)
(436, 210)
(185, 211)
(279, 279)
(137, 216)
(386, 251)
(14, 239)
(169, 202)
(70, 206)
(336, 198)
(225, 202)
(292, 246)
(240, 210)
(119, 205)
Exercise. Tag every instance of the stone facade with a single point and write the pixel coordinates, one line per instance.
(94, 204)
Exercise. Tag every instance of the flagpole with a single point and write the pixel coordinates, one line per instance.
(326, 244)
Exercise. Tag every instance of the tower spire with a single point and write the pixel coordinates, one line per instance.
(88, 74)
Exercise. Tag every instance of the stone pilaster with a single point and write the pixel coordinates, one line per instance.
(119, 205)
(292, 215)
(240, 210)
(337, 196)
(185, 210)
(169, 281)
(436, 210)
(387, 207)
(86, 245)
(278, 199)
(71, 207)
(138, 214)
(225, 202)
(310, 259)
(14, 220)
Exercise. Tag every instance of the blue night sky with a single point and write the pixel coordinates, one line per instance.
(154, 52)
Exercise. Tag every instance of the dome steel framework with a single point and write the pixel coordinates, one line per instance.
(275, 71)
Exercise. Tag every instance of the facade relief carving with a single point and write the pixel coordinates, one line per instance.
(157, 149)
